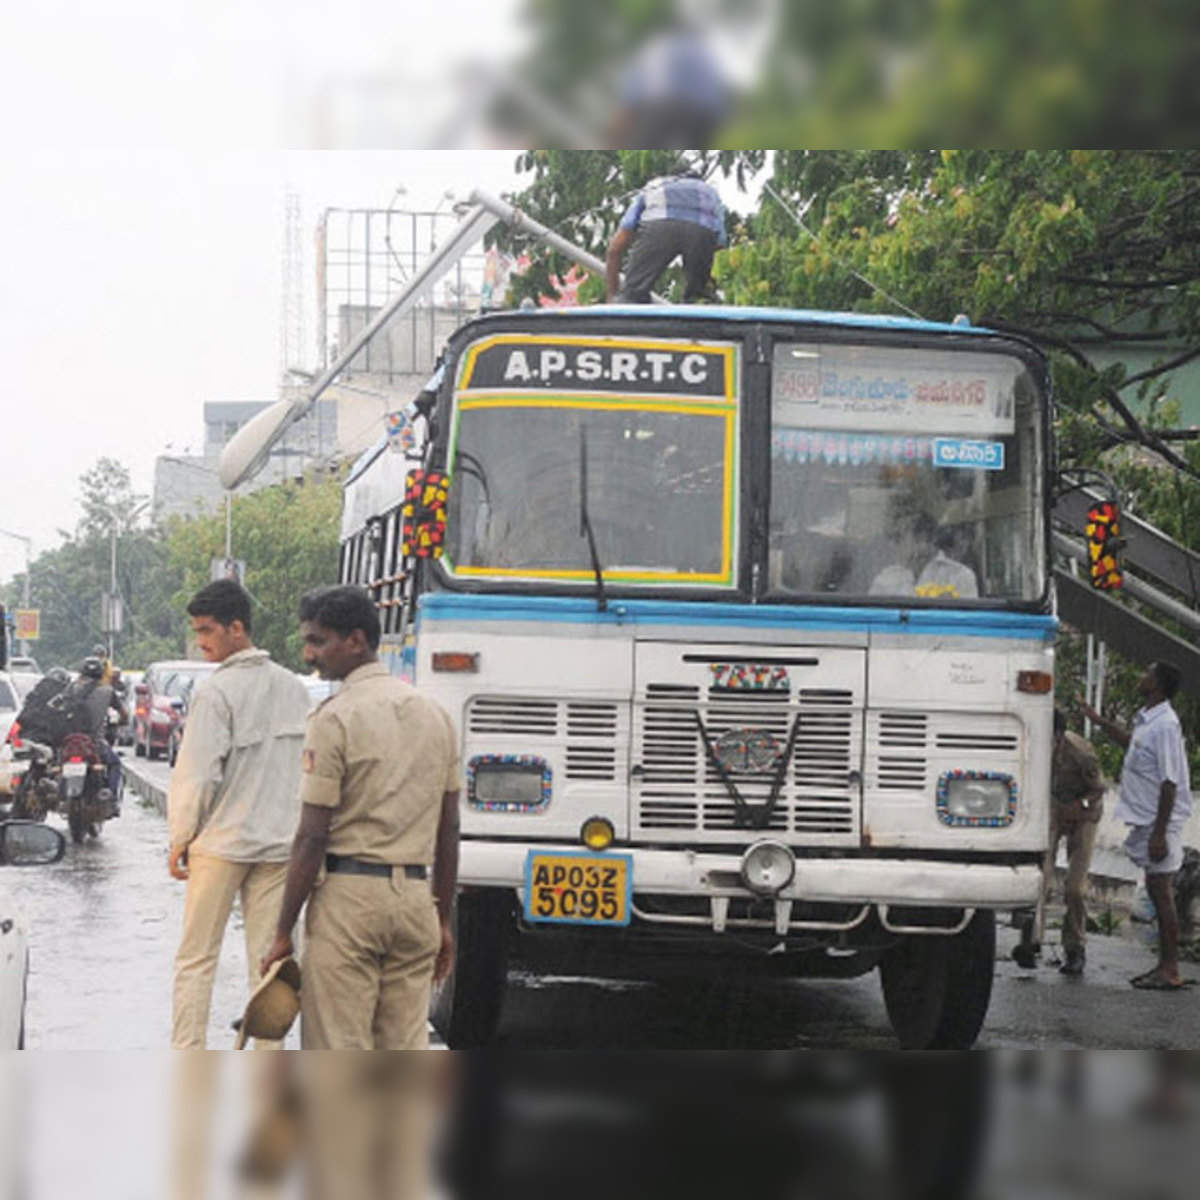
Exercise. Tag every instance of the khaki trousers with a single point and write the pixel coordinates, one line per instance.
(211, 887)
(369, 947)
(1081, 841)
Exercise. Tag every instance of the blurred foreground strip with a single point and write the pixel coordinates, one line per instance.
(447, 1126)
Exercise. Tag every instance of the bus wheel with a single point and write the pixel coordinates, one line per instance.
(465, 1008)
(937, 989)
(971, 963)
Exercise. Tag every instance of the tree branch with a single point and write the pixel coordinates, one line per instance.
(1129, 284)
(1170, 365)
(1129, 222)
(1110, 334)
(1139, 431)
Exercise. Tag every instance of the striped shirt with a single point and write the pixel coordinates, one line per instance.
(678, 198)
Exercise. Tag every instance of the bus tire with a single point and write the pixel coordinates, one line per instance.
(937, 989)
(972, 964)
(465, 1008)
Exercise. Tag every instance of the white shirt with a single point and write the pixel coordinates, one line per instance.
(235, 790)
(945, 576)
(1156, 755)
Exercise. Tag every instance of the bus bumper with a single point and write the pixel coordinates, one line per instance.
(872, 883)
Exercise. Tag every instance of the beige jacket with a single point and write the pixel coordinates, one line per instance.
(235, 790)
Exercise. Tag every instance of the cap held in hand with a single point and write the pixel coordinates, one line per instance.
(274, 1004)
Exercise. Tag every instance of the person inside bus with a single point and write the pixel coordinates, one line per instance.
(944, 574)
(897, 558)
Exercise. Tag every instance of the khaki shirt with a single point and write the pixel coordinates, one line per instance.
(380, 754)
(1075, 772)
(235, 790)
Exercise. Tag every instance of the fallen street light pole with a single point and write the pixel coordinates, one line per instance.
(246, 453)
(248, 449)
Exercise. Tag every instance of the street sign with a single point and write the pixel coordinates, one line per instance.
(27, 624)
(228, 568)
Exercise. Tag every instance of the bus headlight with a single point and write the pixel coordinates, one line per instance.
(768, 867)
(977, 798)
(508, 782)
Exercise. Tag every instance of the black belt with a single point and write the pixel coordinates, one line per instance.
(340, 864)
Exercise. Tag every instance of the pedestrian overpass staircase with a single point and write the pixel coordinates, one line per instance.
(1155, 614)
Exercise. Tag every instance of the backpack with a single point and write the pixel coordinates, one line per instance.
(52, 710)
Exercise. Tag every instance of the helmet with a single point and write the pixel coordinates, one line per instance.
(92, 668)
(100, 652)
(59, 674)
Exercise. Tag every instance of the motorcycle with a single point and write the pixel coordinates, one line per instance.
(83, 786)
(34, 778)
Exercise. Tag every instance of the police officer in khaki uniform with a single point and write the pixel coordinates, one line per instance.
(379, 817)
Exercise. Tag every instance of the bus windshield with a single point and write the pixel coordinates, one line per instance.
(659, 491)
(904, 472)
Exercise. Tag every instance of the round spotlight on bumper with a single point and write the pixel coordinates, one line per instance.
(768, 867)
(597, 833)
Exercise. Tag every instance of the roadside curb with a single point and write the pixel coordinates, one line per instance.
(143, 786)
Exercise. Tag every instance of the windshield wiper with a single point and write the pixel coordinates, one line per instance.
(585, 521)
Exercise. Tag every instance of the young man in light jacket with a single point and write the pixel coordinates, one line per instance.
(234, 800)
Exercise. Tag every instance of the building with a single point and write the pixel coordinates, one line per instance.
(188, 485)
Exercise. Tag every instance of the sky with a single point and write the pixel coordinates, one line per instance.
(149, 147)
(142, 211)
(141, 283)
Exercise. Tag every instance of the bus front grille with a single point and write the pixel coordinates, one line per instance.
(679, 791)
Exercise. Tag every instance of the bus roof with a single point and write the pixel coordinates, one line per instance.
(729, 312)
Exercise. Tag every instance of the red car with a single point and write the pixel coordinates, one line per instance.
(160, 701)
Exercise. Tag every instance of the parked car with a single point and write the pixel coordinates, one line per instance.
(159, 702)
(10, 704)
(22, 844)
(23, 662)
(177, 729)
(125, 731)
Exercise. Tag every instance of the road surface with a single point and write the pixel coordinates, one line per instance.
(105, 924)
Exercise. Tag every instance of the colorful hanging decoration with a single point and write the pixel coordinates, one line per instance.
(423, 531)
(401, 437)
(847, 449)
(1104, 541)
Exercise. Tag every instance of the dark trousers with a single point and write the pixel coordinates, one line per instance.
(655, 246)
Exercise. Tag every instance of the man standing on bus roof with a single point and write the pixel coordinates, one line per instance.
(380, 807)
(1156, 800)
(677, 214)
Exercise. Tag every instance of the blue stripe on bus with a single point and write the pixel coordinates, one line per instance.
(790, 316)
(578, 610)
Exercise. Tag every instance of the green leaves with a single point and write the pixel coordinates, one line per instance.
(287, 534)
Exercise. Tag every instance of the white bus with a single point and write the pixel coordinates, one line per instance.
(745, 620)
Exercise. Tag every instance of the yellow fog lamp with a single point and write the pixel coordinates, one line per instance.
(768, 867)
(597, 833)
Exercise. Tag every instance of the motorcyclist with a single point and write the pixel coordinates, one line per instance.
(100, 651)
(97, 698)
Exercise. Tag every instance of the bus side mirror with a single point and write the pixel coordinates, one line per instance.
(1104, 543)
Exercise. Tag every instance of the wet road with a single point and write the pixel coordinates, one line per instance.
(105, 923)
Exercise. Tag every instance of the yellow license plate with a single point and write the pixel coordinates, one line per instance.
(578, 889)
